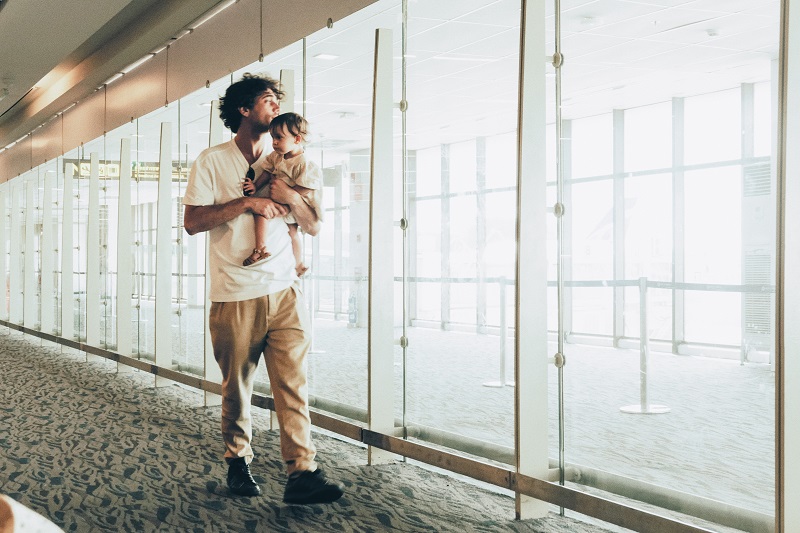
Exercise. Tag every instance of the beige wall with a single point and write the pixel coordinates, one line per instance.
(210, 52)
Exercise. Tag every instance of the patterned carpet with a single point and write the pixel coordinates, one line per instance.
(93, 450)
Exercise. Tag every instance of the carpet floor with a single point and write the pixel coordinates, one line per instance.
(96, 450)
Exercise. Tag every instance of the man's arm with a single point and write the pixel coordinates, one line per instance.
(303, 213)
(199, 218)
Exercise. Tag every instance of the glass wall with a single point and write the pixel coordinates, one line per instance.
(672, 207)
(668, 246)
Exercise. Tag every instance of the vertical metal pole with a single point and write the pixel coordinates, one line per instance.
(643, 345)
(644, 406)
(558, 210)
(404, 222)
(502, 283)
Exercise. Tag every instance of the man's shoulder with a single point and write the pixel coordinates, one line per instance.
(216, 151)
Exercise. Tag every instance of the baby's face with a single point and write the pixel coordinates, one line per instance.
(283, 141)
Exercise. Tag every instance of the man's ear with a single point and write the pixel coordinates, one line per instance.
(244, 111)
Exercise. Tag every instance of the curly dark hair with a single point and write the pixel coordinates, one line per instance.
(243, 93)
(295, 124)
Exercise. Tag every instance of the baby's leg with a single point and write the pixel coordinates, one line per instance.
(297, 248)
(260, 251)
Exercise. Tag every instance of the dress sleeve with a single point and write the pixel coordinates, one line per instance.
(309, 175)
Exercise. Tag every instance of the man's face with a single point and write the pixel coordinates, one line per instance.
(265, 108)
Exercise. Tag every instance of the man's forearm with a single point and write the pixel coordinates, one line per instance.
(304, 215)
(199, 218)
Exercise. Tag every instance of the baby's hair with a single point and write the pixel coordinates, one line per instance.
(295, 124)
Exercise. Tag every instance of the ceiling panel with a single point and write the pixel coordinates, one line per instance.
(624, 54)
(604, 13)
(578, 44)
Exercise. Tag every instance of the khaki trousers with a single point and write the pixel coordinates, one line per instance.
(276, 326)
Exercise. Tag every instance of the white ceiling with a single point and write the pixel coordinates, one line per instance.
(463, 58)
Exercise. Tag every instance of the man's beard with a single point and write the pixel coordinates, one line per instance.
(261, 127)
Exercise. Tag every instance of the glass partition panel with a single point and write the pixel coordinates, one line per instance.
(51, 266)
(648, 251)
(109, 197)
(592, 235)
(462, 228)
(189, 282)
(70, 311)
(338, 105)
(670, 200)
(81, 215)
(146, 153)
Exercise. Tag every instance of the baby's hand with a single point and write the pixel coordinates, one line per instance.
(248, 188)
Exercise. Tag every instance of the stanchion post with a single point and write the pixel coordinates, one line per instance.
(503, 338)
(644, 406)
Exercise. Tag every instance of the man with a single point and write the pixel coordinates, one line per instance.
(256, 309)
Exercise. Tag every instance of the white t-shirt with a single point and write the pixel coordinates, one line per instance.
(216, 177)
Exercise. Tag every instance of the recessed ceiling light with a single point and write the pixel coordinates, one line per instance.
(327, 57)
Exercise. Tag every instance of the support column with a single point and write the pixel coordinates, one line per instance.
(124, 254)
(338, 245)
(67, 255)
(211, 371)
(48, 254)
(444, 247)
(287, 86)
(93, 258)
(31, 299)
(530, 341)
(163, 285)
(381, 265)
(3, 250)
(16, 302)
(678, 225)
(619, 222)
(480, 238)
(787, 390)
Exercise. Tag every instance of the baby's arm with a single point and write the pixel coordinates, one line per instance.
(262, 179)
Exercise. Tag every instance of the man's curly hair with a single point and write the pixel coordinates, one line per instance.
(243, 93)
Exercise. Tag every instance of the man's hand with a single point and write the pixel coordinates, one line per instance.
(281, 192)
(267, 208)
(293, 201)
